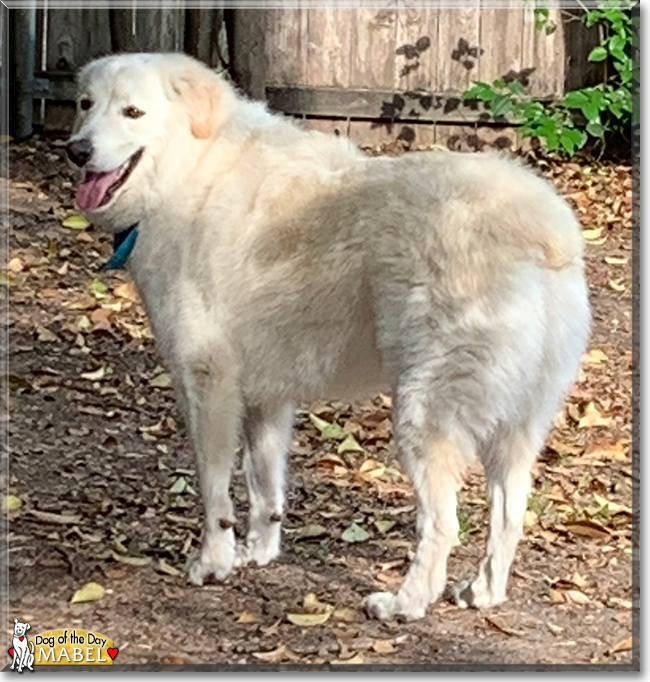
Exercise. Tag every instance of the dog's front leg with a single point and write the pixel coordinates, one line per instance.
(268, 434)
(214, 415)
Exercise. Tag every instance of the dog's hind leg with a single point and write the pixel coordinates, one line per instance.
(435, 461)
(508, 468)
(214, 416)
(268, 434)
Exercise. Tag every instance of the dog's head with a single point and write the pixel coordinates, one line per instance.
(131, 109)
(20, 628)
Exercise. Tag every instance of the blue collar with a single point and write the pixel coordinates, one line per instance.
(123, 244)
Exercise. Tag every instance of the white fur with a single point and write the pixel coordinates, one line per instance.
(279, 265)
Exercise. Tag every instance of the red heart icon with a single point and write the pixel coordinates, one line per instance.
(11, 652)
(21, 638)
(112, 653)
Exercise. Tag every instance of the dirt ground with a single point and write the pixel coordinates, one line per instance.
(101, 483)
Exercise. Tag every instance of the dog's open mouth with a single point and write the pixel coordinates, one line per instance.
(97, 189)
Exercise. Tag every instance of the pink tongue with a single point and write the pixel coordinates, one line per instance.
(92, 190)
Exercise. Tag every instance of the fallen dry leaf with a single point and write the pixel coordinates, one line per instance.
(499, 627)
(89, 592)
(616, 260)
(126, 290)
(624, 645)
(12, 503)
(620, 603)
(591, 235)
(357, 659)
(162, 380)
(595, 357)
(53, 517)
(355, 533)
(98, 374)
(15, 265)
(592, 417)
(345, 614)
(314, 612)
(576, 597)
(76, 222)
(349, 444)
(587, 528)
(278, 655)
(612, 507)
(606, 451)
(383, 646)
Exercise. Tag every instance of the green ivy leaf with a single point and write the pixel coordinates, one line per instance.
(552, 140)
(595, 128)
(501, 105)
(592, 108)
(575, 99)
(516, 87)
(598, 54)
(482, 91)
(572, 139)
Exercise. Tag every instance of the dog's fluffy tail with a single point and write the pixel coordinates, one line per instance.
(495, 215)
(553, 234)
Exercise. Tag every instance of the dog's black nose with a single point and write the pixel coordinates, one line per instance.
(79, 151)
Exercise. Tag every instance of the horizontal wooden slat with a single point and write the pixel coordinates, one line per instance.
(373, 104)
(60, 87)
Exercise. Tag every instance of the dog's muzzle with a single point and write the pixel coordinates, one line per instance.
(79, 151)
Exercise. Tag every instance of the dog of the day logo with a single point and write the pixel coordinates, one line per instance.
(65, 646)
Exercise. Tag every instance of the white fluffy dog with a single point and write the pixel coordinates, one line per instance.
(278, 265)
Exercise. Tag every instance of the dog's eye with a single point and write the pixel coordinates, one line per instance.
(85, 104)
(132, 112)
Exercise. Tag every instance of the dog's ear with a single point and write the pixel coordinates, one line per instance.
(15, 620)
(29, 627)
(198, 89)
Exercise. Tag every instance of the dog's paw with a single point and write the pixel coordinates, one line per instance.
(242, 555)
(255, 554)
(386, 606)
(469, 594)
(211, 562)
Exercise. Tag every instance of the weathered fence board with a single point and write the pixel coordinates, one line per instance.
(457, 48)
(374, 104)
(286, 46)
(209, 46)
(328, 46)
(249, 58)
(417, 33)
(75, 36)
(160, 30)
(500, 37)
(579, 42)
(544, 55)
(372, 48)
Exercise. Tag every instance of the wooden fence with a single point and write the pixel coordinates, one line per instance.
(375, 74)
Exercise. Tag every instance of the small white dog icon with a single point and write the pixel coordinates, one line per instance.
(23, 655)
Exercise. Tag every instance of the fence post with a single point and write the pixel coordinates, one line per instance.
(22, 66)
